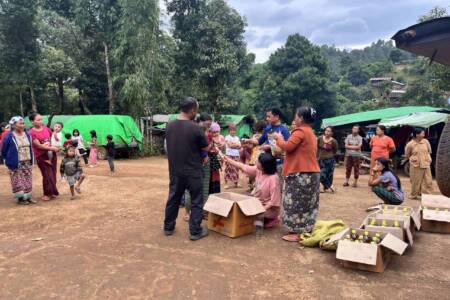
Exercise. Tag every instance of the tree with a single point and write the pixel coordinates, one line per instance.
(98, 20)
(137, 55)
(19, 46)
(59, 69)
(211, 47)
(298, 75)
(357, 75)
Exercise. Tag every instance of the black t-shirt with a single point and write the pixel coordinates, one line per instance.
(111, 149)
(185, 139)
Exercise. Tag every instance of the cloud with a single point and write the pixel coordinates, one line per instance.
(344, 23)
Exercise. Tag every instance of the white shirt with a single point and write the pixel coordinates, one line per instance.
(57, 143)
(230, 151)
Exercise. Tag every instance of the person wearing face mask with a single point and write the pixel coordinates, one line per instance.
(18, 154)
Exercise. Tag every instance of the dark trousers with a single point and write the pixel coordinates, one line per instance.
(48, 175)
(111, 163)
(177, 187)
(327, 172)
(352, 162)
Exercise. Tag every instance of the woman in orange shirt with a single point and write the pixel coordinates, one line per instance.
(302, 176)
(382, 145)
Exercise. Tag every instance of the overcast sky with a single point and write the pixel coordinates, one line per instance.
(344, 23)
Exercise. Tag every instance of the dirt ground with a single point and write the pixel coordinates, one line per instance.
(108, 244)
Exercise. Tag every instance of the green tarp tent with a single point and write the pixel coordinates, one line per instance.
(122, 128)
(420, 119)
(375, 115)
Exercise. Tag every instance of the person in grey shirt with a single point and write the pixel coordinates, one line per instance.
(353, 144)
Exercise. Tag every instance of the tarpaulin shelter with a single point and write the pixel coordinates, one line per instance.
(419, 119)
(124, 130)
(375, 116)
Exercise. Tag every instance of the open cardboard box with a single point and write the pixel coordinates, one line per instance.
(400, 226)
(401, 212)
(232, 214)
(367, 257)
(435, 213)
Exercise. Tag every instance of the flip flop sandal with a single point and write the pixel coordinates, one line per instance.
(293, 238)
(346, 184)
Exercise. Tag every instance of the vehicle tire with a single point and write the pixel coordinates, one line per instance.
(443, 161)
(101, 153)
(406, 168)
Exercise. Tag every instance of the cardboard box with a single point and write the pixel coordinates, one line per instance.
(400, 212)
(232, 214)
(400, 226)
(367, 257)
(435, 213)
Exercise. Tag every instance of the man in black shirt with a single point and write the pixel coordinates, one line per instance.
(185, 143)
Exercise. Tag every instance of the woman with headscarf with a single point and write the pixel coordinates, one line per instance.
(301, 174)
(41, 136)
(18, 154)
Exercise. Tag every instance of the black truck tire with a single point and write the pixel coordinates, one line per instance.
(443, 161)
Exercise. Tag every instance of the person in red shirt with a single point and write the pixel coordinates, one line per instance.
(382, 146)
(41, 136)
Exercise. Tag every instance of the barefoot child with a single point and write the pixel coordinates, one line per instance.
(233, 144)
(110, 153)
(267, 185)
(72, 171)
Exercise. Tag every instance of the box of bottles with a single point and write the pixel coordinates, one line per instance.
(397, 225)
(231, 214)
(367, 250)
(435, 213)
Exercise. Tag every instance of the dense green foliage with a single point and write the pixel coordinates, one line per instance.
(113, 56)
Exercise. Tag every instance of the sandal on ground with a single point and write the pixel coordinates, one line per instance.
(32, 201)
(45, 198)
(346, 184)
(78, 190)
(22, 202)
(332, 189)
(355, 185)
(292, 237)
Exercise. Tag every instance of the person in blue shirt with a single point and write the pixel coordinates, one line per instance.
(274, 125)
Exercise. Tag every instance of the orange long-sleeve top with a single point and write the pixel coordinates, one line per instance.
(301, 151)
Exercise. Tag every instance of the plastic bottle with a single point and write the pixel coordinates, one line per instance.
(259, 225)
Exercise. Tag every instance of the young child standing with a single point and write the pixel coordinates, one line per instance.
(233, 144)
(110, 153)
(77, 137)
(93, 149)
(71, 170)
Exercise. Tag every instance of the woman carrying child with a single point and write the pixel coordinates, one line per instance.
(71, 170)
(93, 149)
(267, 185)
(233, 145)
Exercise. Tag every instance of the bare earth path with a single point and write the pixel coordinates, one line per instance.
(108, 244)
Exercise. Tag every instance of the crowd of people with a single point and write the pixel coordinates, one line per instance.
(21, 148)
(286, 167)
